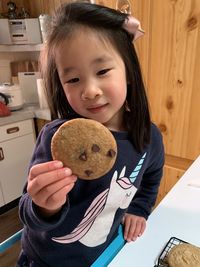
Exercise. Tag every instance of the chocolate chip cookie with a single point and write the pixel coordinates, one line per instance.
(86, 146)
(184, 255)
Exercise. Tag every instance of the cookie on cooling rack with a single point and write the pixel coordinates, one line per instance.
(85, 146)
(184, 255)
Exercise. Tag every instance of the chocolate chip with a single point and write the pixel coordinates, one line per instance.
(88, 172)
(95, 148)
(111, 153)
(83, 156)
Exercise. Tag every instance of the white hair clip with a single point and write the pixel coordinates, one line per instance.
(132, 26)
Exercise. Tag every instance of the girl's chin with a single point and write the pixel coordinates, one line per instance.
(96, 118)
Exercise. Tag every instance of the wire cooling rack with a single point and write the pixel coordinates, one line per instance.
(162, 259)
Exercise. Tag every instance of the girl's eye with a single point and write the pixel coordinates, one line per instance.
(102, 72)
(74, 80)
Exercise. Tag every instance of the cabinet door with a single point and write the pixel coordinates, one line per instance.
(16, 156)
(1, 197)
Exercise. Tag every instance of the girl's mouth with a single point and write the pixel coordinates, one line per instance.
(96, 109)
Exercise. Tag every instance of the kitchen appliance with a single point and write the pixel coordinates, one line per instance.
(25, 31)
(4, 110)
(5, 37)
(20, 31)
(14, 95)
(28, 85)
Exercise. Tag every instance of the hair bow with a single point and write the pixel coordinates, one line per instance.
(132, 26)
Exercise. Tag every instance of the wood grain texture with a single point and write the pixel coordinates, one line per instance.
(177, 162)
(10, 256)
(169, 179)
(142, 10)
(171, 78)
(36, 7)
(39, 124)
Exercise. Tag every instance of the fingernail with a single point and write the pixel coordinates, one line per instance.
(67, 171)
(58, 164)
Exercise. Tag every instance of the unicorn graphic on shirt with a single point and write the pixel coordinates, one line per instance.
(98, 219)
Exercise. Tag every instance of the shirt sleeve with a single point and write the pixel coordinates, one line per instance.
(146, 195)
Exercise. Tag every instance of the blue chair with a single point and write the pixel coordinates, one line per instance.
(106, 257)
(10, 241)
(111, 251)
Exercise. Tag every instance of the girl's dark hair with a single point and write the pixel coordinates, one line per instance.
(108, 22)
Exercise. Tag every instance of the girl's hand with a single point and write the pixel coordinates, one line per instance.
(48, 185)
(134, 226)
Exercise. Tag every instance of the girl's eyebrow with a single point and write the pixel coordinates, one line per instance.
(98, 60)
(67, 70)
(102, 59)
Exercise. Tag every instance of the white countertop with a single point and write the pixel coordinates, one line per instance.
(177, 215)
(27, 112)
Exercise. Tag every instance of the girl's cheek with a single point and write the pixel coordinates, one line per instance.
(68, 95)
(73, 101)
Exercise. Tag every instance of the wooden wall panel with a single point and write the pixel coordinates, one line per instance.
(170, 178)
(193, 143)
(19, 3)
(35, 7)
(45, 7)
(141, 10)
(38, 7)
(173, 63)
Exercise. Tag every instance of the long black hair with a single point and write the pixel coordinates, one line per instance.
(108, 22)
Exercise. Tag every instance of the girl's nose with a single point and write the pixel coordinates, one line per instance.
(91, 92)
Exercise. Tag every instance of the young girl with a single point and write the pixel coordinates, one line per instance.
(91, 70)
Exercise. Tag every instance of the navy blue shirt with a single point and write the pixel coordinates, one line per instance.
(89, 220)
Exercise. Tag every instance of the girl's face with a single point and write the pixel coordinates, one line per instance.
(93, 77)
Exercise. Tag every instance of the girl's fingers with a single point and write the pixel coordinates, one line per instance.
(143, 227)
(55, 200)
(59, 197)
(45, 179)
(134, 227)
(137, 231)
(44, 167)
(46, 192)
(127, 228)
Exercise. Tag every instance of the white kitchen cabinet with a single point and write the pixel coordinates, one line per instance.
(21, 48)
(16, 146)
